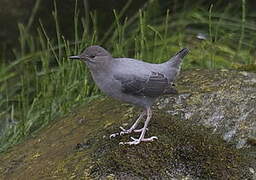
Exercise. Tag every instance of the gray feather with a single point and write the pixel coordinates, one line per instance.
(176, 60)
(152, 85)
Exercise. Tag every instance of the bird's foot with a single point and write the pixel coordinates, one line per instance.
(113, 135)
(139, 130)
(126, 131)
(123, 131)
(137, 141)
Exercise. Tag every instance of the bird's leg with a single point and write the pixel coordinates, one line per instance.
(132, 128)
(141, 138)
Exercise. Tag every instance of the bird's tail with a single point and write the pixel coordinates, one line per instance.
(175, 61)
(182, 52)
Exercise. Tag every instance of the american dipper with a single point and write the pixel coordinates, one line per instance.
(132, 81)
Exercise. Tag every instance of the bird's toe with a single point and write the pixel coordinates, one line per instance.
(137, 141)
(139, 130)
(151, 138)
(113, 135)
(134, 139)
(122, 129)
(130, 143)
(145, 139)
(125, 131)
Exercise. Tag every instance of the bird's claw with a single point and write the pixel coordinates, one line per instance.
(130, 143)
(137, 141)
(113, 135)
(124, 131)
(145, 139)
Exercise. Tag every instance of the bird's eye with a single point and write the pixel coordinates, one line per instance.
(92, 56)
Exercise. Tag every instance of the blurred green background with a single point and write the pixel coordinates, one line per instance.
(38, 83)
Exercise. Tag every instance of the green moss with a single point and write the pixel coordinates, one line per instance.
(78, 146)
(245, 67)
(191, 149)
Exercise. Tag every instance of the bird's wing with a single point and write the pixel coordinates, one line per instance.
(152, 85)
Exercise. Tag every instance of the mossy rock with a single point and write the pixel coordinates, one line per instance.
(78, 146)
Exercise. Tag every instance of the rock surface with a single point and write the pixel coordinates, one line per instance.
(205, 132)
(222, 100)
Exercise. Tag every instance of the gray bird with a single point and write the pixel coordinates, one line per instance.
(132, 81)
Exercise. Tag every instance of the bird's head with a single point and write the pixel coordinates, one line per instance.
(93, 55)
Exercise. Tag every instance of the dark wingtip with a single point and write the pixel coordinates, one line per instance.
(183, 52)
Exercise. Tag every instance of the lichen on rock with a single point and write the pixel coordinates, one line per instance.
(200, 135)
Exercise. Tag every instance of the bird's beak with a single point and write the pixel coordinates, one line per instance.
(74, 57)
(83, 58)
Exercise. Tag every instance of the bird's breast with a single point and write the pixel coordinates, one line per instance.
(106, 83)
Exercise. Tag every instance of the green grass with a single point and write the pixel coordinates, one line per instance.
(41, 84)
